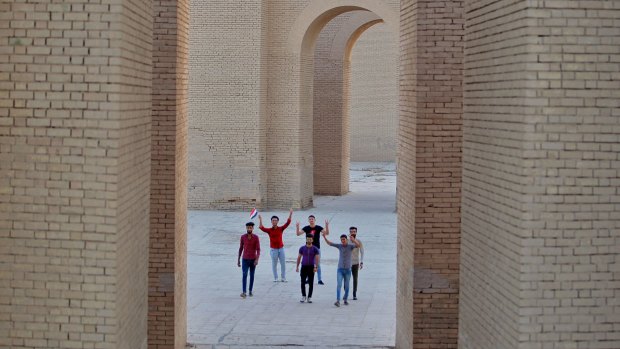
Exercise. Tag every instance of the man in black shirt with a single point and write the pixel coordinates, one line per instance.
(314, 230)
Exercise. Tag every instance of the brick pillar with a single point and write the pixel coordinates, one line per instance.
(541, 175)
(75, 113)
(330, 147)
(167, 327)
(430, 181)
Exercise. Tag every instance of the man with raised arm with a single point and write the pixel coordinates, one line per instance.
(276, 243)
(314, 230)
(344, 265)
(357, 260)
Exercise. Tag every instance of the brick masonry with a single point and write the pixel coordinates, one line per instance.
(541, 228)
(373, 107)
(265, 158)
(75, 112)
(228, 134)
(429, 183)
(330, 135)
(355, 98)
(167, 315)
(540, 224)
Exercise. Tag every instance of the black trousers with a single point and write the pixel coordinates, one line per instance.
(354, 269)
(307, 272)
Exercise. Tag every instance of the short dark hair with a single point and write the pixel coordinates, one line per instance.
(311, 216)
(343, 236)
(309, 236)
(276, 217)
(351, 228)
(249, 224)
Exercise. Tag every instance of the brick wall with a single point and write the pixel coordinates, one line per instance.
(290, 97)
(431, 113)
(227, 90)
(541, 175)
(493, 178)
(75, 122)
(168, 211)
(406, 174)
(260, 74)
(373, 105)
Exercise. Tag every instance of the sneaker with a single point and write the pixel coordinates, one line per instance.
(251, 294)
(345, 302)
(321, 282)
(303, 299)
(275, 280)
(283, 280)
(309, 300)
(354, 298)
(337, 303)
(243, 295)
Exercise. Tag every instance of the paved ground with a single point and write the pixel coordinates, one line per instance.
(274, 317)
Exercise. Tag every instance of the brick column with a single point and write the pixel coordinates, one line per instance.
(167, 255)
(541, 229)
(430, 181)
(75, 113)
(330, 150)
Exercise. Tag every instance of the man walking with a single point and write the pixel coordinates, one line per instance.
(314, 230)
(357, 259)
(344, 265)
(249, 246)
(309, 256)
(276, 243)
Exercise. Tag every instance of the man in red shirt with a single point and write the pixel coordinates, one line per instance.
(276, 244)
(249, 247)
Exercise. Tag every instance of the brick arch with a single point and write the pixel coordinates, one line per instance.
(313, 18)
(331, 95)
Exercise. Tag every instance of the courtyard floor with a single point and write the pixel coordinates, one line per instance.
(274, 317)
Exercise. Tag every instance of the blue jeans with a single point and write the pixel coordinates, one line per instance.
(318, 269)
(343, 273)
(278, 253)
(245, 265)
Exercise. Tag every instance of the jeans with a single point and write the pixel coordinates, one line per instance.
(245, 265)
(278, 253)
(343, 273)
(354, 269)
(318, 269)
(307, 272)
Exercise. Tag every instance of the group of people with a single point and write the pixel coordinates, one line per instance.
(350, 261)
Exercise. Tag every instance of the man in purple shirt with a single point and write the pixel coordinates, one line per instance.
(309, 256)
(249, 246)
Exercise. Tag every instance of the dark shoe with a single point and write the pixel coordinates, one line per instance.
(345, 302)
(251, 294)
(354, 298)
(337, 303)
(321, 282)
